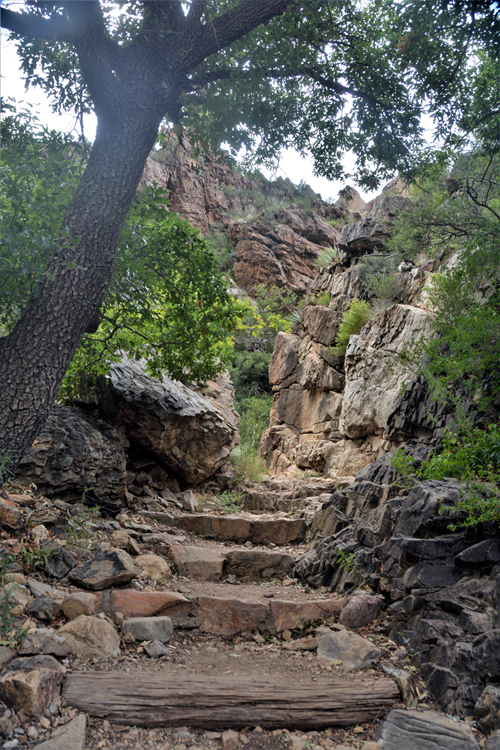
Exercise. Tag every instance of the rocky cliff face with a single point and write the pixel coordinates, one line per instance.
(334, 414)
(276, 229)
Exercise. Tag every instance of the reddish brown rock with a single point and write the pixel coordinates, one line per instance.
(288, 615)
(10, 514)
(133, 603)
(231, 616)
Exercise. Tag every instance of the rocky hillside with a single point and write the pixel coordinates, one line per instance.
(274, 231)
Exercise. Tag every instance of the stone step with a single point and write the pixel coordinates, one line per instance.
(235, 528)
(218, 615)
(294, 496)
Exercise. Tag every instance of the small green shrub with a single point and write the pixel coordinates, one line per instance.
(473, 457)
(254, 420)
(35, 558)
(322, 299)
(353, 320)
(328, 256)
(385, 287)
(79, 528)
(9, 635)
(229, 502)
(5, 462)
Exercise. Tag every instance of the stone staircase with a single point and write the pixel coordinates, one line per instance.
(186, 630)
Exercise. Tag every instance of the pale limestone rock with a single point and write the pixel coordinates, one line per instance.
(70, 736)
(148, 628)
(91, 637)
(373, 384)
(79, 603)
(199, 563)
(153, 567)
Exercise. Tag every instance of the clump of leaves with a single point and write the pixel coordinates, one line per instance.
(471, 455)
(254, 420)
(353, 320)
(322, 299)
(79, 528)
(229, 502)
(34, 558)
(328, 256)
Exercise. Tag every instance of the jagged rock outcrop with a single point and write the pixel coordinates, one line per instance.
(276, 242)
(336, 414)
(189, 433)
(75, 452)
(373, 231)
(441, 587)
(374, 376)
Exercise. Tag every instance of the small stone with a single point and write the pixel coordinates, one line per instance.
(70, 736)
(44, 641)
(32, 733)
(360, 611)
(90, 637)
(109, 568)
(79, 603)
(41, 608)
(230, 740)
(153, 567)
(45, 722)
(155, 649)
(148, 628)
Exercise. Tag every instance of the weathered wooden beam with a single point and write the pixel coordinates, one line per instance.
(157, 699)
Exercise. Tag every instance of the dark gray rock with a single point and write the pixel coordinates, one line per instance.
(487, 710)
(360, 611)
(60, 562)
(486, 652)
(485, 553)
(42, 608)
(425, 730)
(31, 663)
(75, 451)
(258, 564)
(353, 651)
(110, 568)
(421, 514)
(493, 741)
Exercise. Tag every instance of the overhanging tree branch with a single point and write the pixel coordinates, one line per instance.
(56, 28)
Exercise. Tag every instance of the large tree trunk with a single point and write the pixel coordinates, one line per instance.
(36, 355)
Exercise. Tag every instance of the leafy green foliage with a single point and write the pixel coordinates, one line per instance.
(167, 303)
(327, 77)
(249, 370)
(39, 170)
(322, 299)
(471, 455)
(329, 255)
(9, 634)
(353, 320)
(254, 420)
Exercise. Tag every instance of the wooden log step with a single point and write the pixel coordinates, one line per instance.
(155, 699)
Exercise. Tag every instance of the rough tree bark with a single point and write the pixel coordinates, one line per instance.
(132, 88)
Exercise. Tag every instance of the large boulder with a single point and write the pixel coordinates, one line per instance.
(190, 433)
(75, 451)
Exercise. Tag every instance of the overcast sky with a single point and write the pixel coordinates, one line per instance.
(12, 85)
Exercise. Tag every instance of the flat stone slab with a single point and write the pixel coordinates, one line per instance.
(289, 615)
(237, 528)
(341, 645)
(132, 603)
(148, 628)
(71, 736)
(230, 616)
(425, 730)
(198, 563)
(258, 564)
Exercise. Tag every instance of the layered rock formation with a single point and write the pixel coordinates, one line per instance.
(336, 414)
(442, 587)
(189, 433)
(275, 241)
